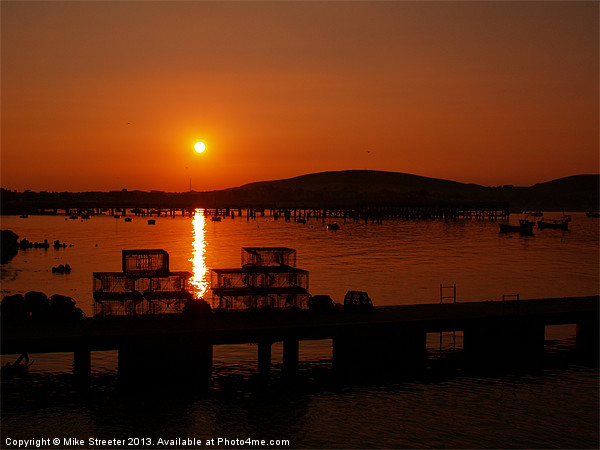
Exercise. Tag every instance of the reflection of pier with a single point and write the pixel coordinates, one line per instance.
(181, 347)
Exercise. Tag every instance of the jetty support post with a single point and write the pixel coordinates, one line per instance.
(264, 357)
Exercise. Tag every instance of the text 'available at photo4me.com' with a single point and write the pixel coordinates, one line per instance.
(187, 442)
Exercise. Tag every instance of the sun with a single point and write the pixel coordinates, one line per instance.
(199, 147)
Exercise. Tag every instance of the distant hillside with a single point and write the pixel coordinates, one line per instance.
(332, 189)
(365, 181)
(359, 186)
(578, 192)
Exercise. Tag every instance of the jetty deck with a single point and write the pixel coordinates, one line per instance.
(398, 332)
(251, 327)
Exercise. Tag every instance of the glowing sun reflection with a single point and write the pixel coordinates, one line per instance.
(199, 280)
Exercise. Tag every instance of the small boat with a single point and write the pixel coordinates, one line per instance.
(85, 216)
(215, 218)
(527, 223)
(333, 226)
(151, 222)
(117, 216)
(24, 216)
(18, 367)
(555, 224)
(525, 227)
(74, 217)
(593, 214)
(127, 219)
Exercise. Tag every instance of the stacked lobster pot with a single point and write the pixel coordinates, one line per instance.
(145, 286)
(268, 278)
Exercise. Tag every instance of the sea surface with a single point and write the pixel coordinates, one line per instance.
(397, 262)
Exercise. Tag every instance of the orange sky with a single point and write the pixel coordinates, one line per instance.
(111, 95)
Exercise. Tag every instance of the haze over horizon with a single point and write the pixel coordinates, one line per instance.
(112, 95)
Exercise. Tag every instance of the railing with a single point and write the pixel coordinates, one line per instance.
(507, 296)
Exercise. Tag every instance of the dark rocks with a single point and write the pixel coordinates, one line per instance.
(57, 244)
(13, 308)
(9, 245)
(62, 269)
(24, 244)
(37, 305)
(37, 308)
(63, 309)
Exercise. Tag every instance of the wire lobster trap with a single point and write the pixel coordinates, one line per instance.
(268, 278)
(139, 306)
(259, 277)
(144, 287)
(117, 284)
(145, 262)
(252, 301)
(268, 256)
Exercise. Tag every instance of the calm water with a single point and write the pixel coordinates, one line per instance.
(398, 262)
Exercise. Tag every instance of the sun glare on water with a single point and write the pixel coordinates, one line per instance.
(200, 271)
(199, 147)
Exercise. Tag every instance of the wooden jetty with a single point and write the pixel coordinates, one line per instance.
(396, 335)
(356, 213)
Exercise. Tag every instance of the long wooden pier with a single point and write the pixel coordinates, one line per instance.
(372, 213)
(498, 331)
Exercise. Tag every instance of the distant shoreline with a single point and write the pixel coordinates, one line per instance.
(353, 188)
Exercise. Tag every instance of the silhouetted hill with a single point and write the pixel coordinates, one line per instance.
(359, 187)
(331, 189)
(365, 181)
(578, 192)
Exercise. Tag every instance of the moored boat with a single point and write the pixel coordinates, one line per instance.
(525, 227)
(555, 224)
(333, 226)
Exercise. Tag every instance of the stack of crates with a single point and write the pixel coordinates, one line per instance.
(268, 278)
(146, 286)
